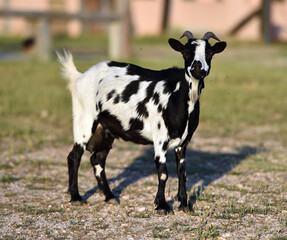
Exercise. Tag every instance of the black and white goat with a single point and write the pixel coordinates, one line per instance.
(120, 100)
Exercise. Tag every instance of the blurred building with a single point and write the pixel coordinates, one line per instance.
(152, 17)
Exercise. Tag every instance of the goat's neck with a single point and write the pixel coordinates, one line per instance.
(194, 91)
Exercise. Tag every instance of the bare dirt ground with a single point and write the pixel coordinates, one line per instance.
(237, 187)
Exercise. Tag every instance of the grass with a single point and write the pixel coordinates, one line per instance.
(34, 103)
(8, 179)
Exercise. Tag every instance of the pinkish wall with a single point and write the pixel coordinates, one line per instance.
(28, 4)
(196, 15)
(74, 27)
(212, 15)
(20, 26)
(146, 16)
(208, 15)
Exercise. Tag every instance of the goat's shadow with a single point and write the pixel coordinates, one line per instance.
(200, 166)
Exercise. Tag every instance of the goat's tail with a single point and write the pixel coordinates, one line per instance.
(69, 70)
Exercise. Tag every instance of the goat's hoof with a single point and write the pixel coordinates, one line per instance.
(163, 209)
(112, 200)
(77, 200)
(185, 207)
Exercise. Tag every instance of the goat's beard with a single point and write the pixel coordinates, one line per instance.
(194, 93)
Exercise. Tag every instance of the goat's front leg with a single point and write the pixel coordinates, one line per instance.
(181, 173)
(74, 160)
(160, 201)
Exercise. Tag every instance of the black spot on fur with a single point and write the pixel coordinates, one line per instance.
(100, 105)
(156, 158)
(164, 146)
(117, 99)
(117, 64)
(111, 94)
(95, 124)
(158, 125)
(142, 110)
(101, 81)
(130, 89)
(159, 108)
(155, 98)
(169, 86)
(114, 125)
(149, 91)
(141, 107)
(171, 74)
(136, 124)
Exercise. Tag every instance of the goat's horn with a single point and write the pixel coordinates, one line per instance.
(187, 34)
(210, 35)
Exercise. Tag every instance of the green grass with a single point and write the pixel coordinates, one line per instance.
(8, 179)
(35, 105)
(246, 89)
(245, 94)
(10, 43)
(267, 162)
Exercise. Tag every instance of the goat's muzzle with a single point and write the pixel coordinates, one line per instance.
(197, 71)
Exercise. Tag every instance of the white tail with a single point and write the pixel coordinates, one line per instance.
(69, 70)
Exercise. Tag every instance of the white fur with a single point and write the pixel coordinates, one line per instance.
(194, 93)
(177, 87)
(163, 177)
(99, 169)
(200, 54)
(177, 149)
(69, 70)
(175, 142)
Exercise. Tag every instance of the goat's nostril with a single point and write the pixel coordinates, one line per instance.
(196, 70)
(196, 65)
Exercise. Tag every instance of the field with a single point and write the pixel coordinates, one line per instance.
(236, 161)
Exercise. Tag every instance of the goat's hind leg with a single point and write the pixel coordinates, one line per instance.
(98, 161)
(101, 143)
(74, 159)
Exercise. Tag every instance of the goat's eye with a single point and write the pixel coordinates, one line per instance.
(209, 54)
(186, 54)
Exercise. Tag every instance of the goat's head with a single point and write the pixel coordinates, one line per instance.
(197, 53)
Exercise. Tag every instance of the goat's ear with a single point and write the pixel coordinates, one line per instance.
(176, 45)
(218, 47)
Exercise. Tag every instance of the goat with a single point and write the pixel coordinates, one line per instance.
(120, 100)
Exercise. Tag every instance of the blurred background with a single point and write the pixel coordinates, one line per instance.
(37, 22)
(245, 94)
